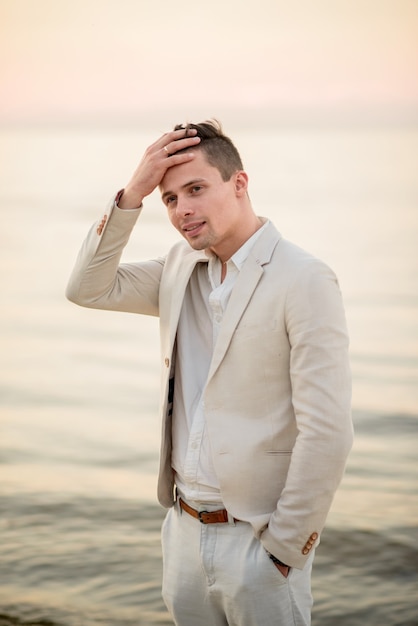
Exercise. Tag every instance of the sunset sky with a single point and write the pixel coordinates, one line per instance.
(99, 60)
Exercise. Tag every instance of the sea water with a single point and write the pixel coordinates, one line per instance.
(79, 429)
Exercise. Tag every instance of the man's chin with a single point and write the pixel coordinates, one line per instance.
(197, 243)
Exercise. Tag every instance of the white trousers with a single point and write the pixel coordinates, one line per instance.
(220, 575)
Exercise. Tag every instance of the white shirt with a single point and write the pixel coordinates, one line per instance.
(204, 305)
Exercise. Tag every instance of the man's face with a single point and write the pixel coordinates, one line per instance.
(201, 206)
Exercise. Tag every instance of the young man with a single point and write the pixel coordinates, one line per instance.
(255, 387)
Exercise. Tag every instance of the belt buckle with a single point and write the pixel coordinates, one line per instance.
(200, 513)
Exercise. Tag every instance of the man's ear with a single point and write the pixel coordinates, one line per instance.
(241, 182)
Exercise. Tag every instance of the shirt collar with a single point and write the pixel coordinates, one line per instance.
(241, 255)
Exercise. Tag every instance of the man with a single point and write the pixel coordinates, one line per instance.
(255, 386)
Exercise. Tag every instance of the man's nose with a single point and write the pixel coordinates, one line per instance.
(183, 207)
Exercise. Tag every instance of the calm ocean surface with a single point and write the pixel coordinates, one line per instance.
(79, 431)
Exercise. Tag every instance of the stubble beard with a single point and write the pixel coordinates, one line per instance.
(204, 242)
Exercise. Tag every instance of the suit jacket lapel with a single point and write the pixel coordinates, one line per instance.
(243, 291)
(181, 274)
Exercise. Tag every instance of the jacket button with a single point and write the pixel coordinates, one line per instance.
(101, 225)
(167, 362)
(305, 551)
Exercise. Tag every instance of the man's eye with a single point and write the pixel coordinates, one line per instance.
(170, 200)
(196, 188)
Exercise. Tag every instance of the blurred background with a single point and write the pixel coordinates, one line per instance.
(321, 99)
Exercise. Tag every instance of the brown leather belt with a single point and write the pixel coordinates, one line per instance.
(207, 517)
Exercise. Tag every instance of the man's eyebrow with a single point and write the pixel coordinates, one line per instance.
(188, 184)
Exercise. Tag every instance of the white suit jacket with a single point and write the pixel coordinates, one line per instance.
(277, 401)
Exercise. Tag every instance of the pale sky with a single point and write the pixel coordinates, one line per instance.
(99, 60)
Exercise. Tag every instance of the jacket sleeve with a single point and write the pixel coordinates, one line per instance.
(321, 398)
(99, 281)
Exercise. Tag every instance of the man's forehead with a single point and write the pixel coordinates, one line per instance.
(183, 174)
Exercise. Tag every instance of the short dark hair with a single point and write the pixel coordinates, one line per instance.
(218, 148)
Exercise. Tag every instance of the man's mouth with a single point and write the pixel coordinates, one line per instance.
(194, 228)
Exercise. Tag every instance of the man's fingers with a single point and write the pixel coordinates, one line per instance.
(174, 142)
(175, 145)
(182, 133)
(157, 159)
(177, 159)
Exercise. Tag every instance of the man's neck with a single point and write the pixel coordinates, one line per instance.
(225, 254)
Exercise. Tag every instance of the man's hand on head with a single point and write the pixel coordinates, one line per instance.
(157, 159)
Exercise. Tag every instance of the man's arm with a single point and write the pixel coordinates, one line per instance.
(321, 398)
(98, 281)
